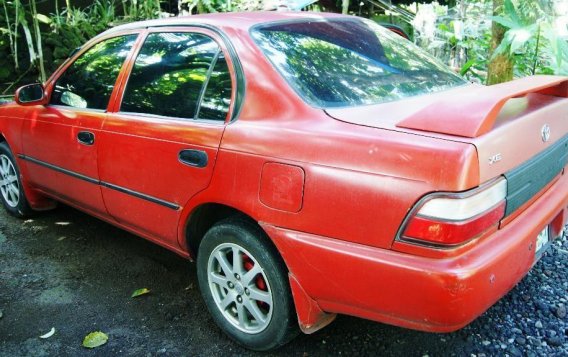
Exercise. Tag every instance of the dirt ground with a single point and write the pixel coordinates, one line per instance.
(66, 270)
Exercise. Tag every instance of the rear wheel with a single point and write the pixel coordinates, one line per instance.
(245, 286)
(11, 190)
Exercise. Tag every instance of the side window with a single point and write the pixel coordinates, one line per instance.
(171, 74)
(217, 95)
(89, 81)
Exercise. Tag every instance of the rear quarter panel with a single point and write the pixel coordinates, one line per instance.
(359, 182)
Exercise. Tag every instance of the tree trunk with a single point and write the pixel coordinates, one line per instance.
(500, 68)
(344, 6)
(40, 63)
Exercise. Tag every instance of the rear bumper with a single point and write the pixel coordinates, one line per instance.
(438, 295)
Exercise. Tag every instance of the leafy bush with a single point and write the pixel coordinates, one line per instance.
(35, 51)
(531, 38)
(36, 44)
(463, 36)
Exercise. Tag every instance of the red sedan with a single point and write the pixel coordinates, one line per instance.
(312, 165)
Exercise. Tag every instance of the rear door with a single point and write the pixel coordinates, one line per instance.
(60, 140)
(159, 147)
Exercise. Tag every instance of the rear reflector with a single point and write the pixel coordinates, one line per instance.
(455, 218)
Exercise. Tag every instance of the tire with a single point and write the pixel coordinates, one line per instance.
(258, 310)
(11, 190)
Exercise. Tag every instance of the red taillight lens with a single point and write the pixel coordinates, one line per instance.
(452, 219)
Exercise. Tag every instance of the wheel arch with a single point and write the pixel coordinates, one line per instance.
(204, 216)
(4, 140)
(36, 200)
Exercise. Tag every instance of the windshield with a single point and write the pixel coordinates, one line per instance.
(350, 62)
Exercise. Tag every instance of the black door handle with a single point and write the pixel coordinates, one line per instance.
(195, 158)
(86, 138)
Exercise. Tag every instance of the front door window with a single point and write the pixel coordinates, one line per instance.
(89, 81)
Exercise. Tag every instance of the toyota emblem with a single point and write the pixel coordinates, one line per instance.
(545, 132)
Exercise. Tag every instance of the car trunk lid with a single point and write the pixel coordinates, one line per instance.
(504, 122)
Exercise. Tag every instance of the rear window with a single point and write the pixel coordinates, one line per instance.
(350, 62)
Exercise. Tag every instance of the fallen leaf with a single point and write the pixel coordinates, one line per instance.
(62, 223)
(61, 238)
(139, 292)
(49, 334)
(95, 339)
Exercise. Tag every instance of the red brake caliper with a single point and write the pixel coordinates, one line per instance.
(259, 281)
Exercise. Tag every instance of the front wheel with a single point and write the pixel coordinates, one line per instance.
(245, 285)
(11, 190)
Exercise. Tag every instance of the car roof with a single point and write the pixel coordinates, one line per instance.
(240, 20)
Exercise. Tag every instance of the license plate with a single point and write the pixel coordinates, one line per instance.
(542, 240)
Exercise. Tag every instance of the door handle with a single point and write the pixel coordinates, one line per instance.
(86, 138)
(195, 158)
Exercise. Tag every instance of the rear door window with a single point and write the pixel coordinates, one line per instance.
(217, 95)
(180, 75)
(89, 81)
(350, 62)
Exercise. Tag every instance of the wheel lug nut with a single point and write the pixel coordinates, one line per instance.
(237, 277)
(239, 299)
(247, 291)
(231, 285)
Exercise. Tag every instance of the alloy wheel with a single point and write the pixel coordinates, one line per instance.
(240, 288)
(9, 185)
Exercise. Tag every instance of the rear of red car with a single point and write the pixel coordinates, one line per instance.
(488, 196)
(455, 253)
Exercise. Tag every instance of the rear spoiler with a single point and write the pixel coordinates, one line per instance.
(474, 113)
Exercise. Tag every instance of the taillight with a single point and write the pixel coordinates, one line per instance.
(455, 218)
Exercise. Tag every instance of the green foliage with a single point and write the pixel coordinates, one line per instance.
(531, 40)
(135, 10)
(468, 53)
(207, 6)
(31, 40)
(35, 40)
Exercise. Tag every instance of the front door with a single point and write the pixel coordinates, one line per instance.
(60, 139)
(158, 148)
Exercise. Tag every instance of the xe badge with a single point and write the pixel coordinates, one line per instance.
(495, 158)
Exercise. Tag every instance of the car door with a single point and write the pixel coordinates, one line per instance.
(60, 139)
(159, 146)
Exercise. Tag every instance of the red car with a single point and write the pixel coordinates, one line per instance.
(312, 164)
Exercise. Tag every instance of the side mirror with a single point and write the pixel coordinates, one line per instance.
(31, 94)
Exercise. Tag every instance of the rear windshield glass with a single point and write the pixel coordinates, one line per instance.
(349, 62)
